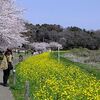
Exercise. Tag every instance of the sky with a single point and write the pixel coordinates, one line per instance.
(80, 13)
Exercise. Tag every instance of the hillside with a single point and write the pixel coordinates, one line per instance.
(70, 37)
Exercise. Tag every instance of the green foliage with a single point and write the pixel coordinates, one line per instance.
(71, 37)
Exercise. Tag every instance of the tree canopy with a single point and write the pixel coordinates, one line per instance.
(70, 37)
(11, 24)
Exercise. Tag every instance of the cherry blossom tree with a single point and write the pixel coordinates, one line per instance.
(11, 25)
(55, 45)
(43, 46)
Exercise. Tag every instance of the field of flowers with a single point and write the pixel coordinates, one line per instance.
(50, 80)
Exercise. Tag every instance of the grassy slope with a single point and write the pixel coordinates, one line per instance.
(84, 67)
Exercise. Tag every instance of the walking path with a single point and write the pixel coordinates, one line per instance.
(5, 93)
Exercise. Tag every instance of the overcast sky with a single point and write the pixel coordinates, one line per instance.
(80, 13)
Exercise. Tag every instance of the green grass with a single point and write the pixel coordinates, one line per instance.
(85, 67)
(17, 89)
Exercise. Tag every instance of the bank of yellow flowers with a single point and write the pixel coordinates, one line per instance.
(50, 80)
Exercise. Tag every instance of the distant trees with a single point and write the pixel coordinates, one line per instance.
(70, 37)
(11, 24)
(43, 46)
(55, 45)
(43, 33)
(76, 37)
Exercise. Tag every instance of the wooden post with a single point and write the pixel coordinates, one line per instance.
(27, 90)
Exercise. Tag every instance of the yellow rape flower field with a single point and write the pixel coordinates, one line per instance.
(50, 80)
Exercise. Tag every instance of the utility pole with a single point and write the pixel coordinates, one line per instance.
(58, 54)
